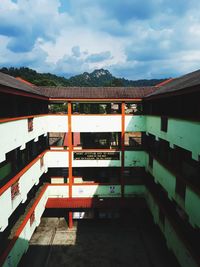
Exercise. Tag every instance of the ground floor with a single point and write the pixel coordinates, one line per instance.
(131, 240)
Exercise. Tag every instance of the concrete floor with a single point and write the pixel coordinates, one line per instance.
(135, 242)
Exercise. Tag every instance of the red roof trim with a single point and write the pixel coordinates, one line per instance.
(24, 81)
(163, 83)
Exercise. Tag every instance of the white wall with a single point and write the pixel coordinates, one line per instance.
(27, 180)
(15, 134)
(135, 123)
(94, 123)
(96, 190)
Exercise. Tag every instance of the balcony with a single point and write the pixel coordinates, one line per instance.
(178, 132)
(17, 132)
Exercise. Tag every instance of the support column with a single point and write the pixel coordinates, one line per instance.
(70, 220)
(70, 147)
(122, 147)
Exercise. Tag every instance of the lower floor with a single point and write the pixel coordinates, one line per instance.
(131, 239)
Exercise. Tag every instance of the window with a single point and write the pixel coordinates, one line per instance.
(133, 108)
(14, 190)
(180, 188)
(150, 161)
(164, 123)
(30, 124)
(41, 162)
(32, 218)
(133, 140)
(161, 216)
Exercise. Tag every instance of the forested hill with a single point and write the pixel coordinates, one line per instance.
(99, 77)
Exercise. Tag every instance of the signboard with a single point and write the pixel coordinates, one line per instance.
(96, 155)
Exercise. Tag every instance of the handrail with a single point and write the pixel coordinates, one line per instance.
(21, 226)
(19, 174)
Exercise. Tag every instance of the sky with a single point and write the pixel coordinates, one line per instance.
(134, 39)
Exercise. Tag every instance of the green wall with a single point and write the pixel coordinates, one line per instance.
(174, 242)
(180, 132)
(5, 170)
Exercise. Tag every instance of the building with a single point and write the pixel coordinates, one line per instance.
(112, 148)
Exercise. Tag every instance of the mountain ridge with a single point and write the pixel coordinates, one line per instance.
(99, 77)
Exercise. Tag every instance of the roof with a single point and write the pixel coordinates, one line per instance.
(11, 82)
(163, 83)
(97, 92)
(184, 84)
(24, 81)
(179, 85)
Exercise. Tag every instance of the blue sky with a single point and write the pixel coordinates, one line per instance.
(134, 39)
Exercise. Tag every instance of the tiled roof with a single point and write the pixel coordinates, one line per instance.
(179, 85)
(14, 83)
(97, 92)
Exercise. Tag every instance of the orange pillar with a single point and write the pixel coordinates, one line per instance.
(122, 147)
(70, 223)
(70, 147)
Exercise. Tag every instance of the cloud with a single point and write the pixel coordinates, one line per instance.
(35, 58)
(98, 57)
(26, 21)
(76, 51)
(132, 38)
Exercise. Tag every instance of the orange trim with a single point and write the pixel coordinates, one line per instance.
(163, 83)
(122, 148)
(52, 149)
(22, 118)
(65, 184)
(18, 175)
(70, 147)
(90, 184)
(95, 202)
(92, 115)
(116, 100)
(26, 82)
(21, 227)
(95, 149)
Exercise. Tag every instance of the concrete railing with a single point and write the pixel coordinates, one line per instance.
(182, 133)
(175, 242)
(167, 180)
(30, 175)
(20, 242)
(17, 132)
(24, 181)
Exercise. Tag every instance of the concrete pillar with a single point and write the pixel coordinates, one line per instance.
(70, 220)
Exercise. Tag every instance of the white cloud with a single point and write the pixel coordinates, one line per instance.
(139, 43)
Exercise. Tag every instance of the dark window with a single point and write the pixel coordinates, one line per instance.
(150, 161)
(180, 188)
(164, 123)
(14, 190)
(30, 124)
(41, 162)
(161, 216)
(32, 218)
